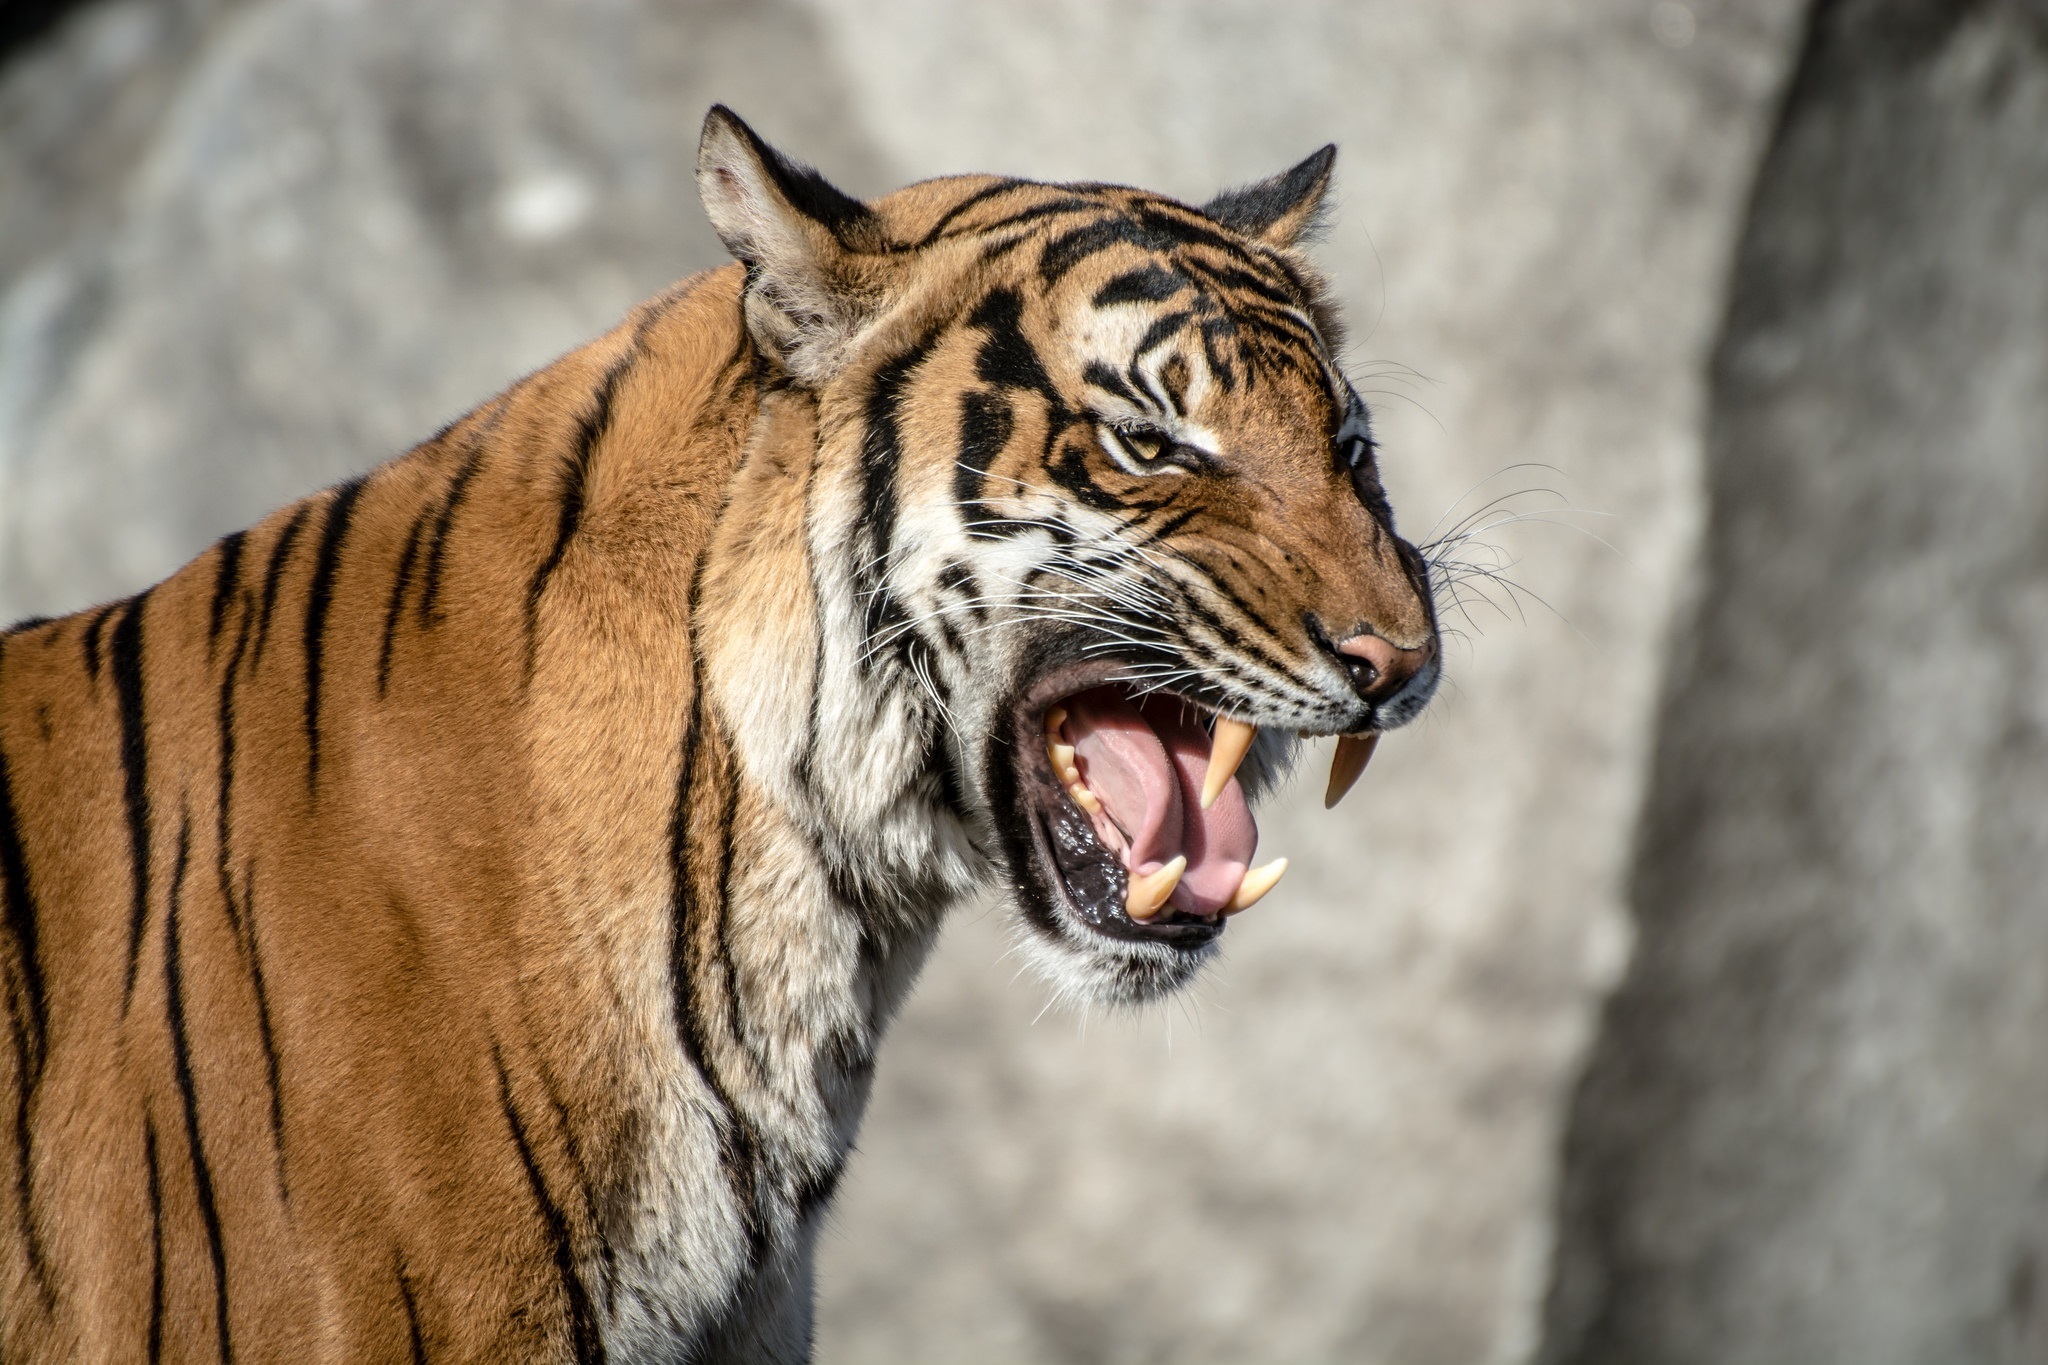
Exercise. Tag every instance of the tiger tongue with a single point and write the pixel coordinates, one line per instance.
(1146, 764)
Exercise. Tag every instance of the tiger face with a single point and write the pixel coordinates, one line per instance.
(1107, 528)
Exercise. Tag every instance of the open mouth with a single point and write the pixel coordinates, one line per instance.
(1139, 814)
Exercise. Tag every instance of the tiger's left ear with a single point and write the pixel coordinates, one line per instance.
(1280, 211)
(810, 250)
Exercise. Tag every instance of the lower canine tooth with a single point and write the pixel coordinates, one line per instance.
(1148, 893)
(1256, 884)
(1353, 753)
(1227, 747)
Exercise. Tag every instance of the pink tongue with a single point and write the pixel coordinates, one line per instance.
(1146, 764)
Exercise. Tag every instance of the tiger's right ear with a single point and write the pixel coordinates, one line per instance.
(801, 240)
(1280, 211)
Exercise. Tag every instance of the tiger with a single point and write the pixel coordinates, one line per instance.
(456, 918)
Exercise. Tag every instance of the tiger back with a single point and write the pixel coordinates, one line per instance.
(456, 918)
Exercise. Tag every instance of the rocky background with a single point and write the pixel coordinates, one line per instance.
(1796, 493)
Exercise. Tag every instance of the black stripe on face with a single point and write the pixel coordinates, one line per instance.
(127, 666)
(401, 582)
(227, 577)
(273, 575)
(1069, 249)
(589, 1345)
(1025, 217)
(1006, 358)
(26, 623)
(980, 196)
(181, 1061)
(1112, 383)
(1150, 283)
(590, 430)
(986, 425)
(1070, 471)
(319, 600)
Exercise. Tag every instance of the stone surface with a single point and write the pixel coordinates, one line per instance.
(294, 236)
(1813, 1128)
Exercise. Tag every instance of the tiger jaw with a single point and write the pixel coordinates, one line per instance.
(1150, 847)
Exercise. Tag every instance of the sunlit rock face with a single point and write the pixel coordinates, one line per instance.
(1812, 1127)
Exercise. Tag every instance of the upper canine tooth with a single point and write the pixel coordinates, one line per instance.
(1054, 719)
(1227, 747)
(1256, 883)
(1148, 893)
(1353, 753)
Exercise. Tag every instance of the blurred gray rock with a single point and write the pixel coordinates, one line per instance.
(247, 248)
(1816, 1126)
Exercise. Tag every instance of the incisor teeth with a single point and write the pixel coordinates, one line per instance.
(1149, 893)
(1085, 799)
(1226, 750)
(1353, 753)
(1256, 884)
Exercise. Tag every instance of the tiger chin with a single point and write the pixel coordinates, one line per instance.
(455, 918)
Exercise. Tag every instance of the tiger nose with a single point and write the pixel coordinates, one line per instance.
(1378, 667)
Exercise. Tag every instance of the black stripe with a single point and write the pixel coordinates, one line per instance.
(1070, 471)
(980, 196)
(156, 1241)
(22, 915)
(400, 583)
(1049, 209)
(1006, 357)
(1069, 249)
(95, 629)
(26, 623)
(986, 425)
(27, 1005)
(227, 576)
(412, 1316)
(264, 1034)
(738, 1147)
(127, 666)
(880, 455)
(319, 600)
(582, 1325)
(181, 1059)
(458, 489)
(590, 430)
(273, 574)
(1112, 383)
(241, 916)
(1149, 283)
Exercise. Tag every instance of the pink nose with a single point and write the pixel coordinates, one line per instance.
(1379, 667)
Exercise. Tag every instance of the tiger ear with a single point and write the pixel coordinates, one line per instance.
(1280, 211)
(800, 238)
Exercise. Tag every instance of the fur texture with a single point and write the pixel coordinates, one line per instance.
(455, 918)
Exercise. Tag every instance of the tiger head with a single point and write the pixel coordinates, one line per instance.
(1095, 530)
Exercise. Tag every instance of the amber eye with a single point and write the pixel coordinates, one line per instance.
(1141, 449)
